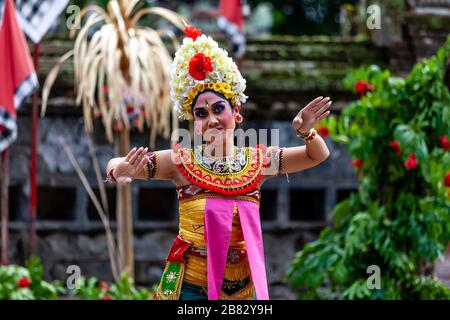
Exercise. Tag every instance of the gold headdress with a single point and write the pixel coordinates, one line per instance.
(201, 65)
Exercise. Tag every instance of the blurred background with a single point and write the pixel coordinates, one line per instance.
(295, 51)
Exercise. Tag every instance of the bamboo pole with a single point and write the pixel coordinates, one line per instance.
(4, 182)
(33, 162)
(124, 215)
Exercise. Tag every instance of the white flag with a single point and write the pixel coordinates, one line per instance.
(37, 16)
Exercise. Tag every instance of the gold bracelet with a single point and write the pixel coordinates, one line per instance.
(307, 135)
(147, 170)
(110, 175)
(311, 136)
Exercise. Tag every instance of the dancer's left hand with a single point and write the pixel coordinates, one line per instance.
(307, 118)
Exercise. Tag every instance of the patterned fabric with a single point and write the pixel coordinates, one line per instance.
(37, 16)
(151, 167)
(218, 229)
(231, 21)
(234, 175)
(192, 292)
(192, 192)
(191, 224)
(17, 77)
(229, 266)
(172, 278)
(273, 160)
(187, 259)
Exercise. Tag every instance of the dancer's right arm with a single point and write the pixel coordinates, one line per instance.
(125, 169)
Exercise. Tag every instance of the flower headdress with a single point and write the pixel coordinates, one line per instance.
(201, 65)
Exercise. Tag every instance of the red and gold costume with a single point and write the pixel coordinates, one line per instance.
(237, 177)
(219, 246)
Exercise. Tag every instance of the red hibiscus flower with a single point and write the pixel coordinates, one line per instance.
(396, 146)
(105, 298)
(323, 131)
(358, 163)
(362, 87)
(24, 282)
(447, 180)
(191, 32)
(411, 162)
(199, 66)
(445, 144)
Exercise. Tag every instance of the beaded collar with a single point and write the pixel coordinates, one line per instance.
(232, 175)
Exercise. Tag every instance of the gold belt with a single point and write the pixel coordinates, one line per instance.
(237, 267)
(235, 255)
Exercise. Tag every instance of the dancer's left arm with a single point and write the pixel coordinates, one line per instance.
(313, 152)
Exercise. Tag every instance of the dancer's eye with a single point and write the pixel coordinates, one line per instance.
(200, 113)
(218, 108)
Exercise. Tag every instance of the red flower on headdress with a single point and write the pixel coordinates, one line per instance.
(191, 32)
(445, 144)
(411, 162)
(199, 66)
(362, 87)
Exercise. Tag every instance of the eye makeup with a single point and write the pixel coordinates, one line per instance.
(217, 107)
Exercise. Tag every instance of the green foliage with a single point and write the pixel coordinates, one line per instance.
(26, 283)
(399, 219)
(11, 275)
(123, 289)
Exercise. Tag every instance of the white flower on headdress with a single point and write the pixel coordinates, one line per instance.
(202, 53)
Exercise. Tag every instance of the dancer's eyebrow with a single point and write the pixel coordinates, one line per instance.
(198, 107)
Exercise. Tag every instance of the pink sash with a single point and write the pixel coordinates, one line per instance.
(218, 220)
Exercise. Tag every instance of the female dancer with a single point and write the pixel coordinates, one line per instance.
(218, 253)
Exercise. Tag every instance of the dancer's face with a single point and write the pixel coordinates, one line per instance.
(214, 118)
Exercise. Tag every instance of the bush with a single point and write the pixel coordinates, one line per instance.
(399, 220)
(92, 289)
(26, 283)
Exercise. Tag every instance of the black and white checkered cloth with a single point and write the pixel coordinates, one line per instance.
(26, 88)
(2, 8)
(37, 16)
(8, 129)
(236, 36)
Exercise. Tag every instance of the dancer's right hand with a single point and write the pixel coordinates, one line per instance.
(130, 166)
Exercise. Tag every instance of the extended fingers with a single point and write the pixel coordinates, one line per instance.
(323, 108)
(313, 103)
(142, 163)
(320, 104)
(324, 115)
(137, 155)
(130, 154)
